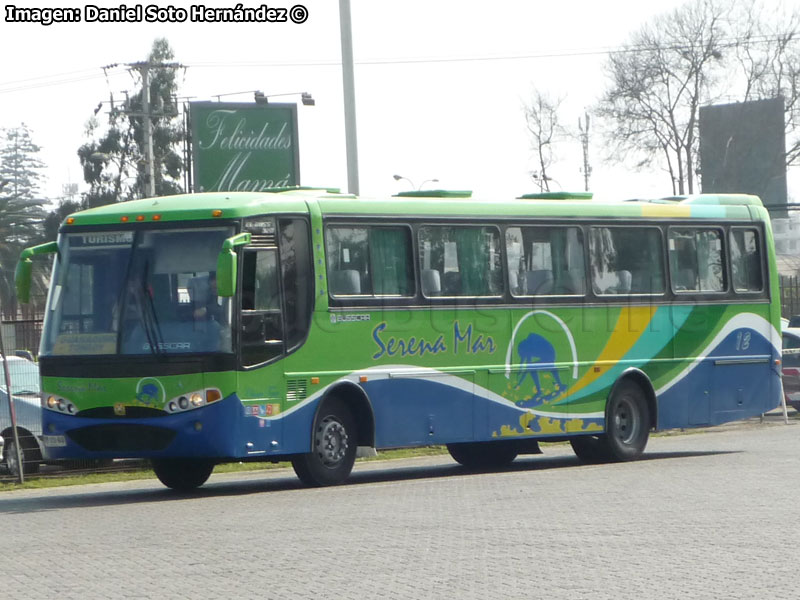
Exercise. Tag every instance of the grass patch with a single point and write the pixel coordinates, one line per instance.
(61, 479)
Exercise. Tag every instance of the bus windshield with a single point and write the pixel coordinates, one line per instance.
(137, 292)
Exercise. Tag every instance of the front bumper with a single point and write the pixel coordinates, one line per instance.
(204, 432)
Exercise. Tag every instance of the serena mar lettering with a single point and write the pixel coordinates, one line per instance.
(463, 340)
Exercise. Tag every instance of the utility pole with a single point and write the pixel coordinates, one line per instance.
(149, 164)
(583, 127)
(149, 158)
(348, 81)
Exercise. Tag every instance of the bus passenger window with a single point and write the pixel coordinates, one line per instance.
(545, 261)
(696, 260)
(348, 261)
(746, 260)
(460, 261)
(373, 261)
(626, 260)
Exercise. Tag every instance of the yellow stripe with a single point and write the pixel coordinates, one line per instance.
(628, 329)
(666, 210)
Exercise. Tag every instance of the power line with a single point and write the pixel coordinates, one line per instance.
(87, 71)
(725, 43)
(61, 80)
(75, 77)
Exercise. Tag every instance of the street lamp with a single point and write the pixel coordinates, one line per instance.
(262, 98)
(399, 177)
(306, 98)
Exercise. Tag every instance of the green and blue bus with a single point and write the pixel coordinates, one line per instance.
(300, 324)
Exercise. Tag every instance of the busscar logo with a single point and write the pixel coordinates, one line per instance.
(349, 318)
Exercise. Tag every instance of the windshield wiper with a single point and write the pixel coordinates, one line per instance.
(149, 318)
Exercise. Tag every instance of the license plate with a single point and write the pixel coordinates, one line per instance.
(54, 441)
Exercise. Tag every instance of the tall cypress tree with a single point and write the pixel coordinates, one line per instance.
(21, 211)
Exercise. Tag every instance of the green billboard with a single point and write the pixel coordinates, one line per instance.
(243, 146)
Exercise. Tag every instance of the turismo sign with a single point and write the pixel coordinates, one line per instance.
(244, 147)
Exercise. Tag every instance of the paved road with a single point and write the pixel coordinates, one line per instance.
(710, 515)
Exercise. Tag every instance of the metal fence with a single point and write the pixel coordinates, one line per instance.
(22, 336)
(19, 373)
(790, 296)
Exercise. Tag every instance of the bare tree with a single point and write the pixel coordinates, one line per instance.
(767, 54)
(701, 52)
(541, 117)
(658, 82)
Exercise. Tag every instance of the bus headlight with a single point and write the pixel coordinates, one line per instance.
(196, 399)
(58, 404)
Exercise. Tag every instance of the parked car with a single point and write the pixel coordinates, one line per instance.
(791, 366)
(25, 389)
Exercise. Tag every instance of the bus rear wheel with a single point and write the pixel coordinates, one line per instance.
(627, 428)
(334, 446)
(183, 474)
(483, 455)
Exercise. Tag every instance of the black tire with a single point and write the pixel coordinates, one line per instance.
(627, 428)
(183, 474)
(31, 458)
(334, 444)
(483, 455)
(590, 449)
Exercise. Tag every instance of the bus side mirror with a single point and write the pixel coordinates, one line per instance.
(226, 265)
(22, 274)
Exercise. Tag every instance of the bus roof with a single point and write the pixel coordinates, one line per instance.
(226, 205)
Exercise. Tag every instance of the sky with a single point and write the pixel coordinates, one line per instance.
(440, 86)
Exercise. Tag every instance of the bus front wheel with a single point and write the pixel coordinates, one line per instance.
(627, 428)
(334, 446)
(183, 474)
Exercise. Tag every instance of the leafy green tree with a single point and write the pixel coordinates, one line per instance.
(21, 211)
(114, 159)
(56, 216)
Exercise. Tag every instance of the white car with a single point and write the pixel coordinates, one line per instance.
(27, 404)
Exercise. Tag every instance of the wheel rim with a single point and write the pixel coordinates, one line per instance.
(626, 420)
(331, 441)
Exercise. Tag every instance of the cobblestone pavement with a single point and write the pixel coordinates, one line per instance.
(711, 515)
